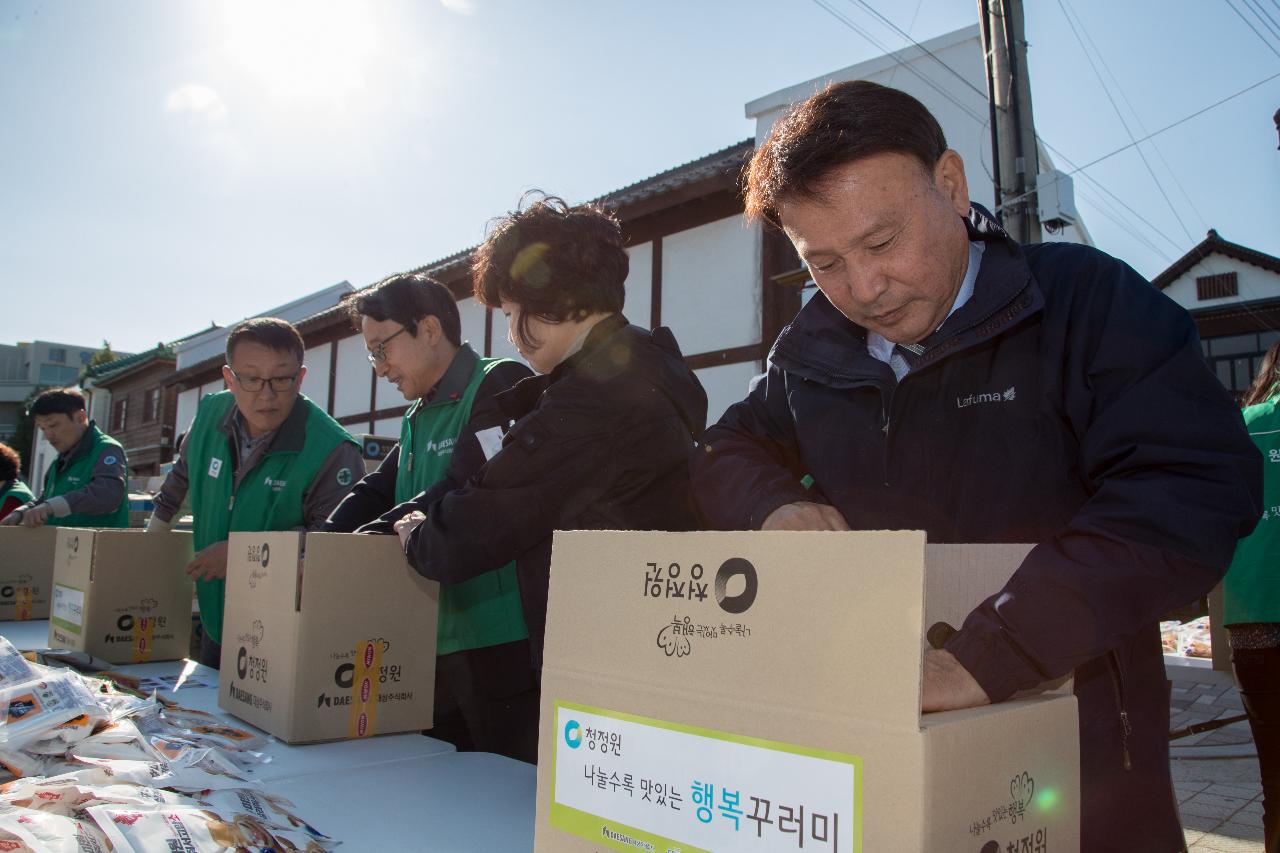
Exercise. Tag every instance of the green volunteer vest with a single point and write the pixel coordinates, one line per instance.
(1251, 591)
(270, 495)
(16, 489)
(77, 475)
(485, 610)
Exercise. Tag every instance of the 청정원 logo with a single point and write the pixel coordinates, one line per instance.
(730, 569)
(573, 734)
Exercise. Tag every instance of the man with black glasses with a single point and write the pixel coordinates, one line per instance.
(259, 456)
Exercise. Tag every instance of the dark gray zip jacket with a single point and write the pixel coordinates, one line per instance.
(1066, 404)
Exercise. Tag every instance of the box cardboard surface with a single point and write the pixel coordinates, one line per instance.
(761, 692)
(26, 572)
(122, 595)
(327, 637)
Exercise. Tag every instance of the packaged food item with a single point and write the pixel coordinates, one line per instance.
(197, 830)
(208, 730)
(58, 739)
(272, 811)
(1169, 637)
(53, 833)
(14, 764)
(1194, 639)
(118, 740)
(36, 708)
(69, 798)
(14, 668)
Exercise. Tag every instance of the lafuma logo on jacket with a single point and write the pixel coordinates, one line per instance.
(1006, 396)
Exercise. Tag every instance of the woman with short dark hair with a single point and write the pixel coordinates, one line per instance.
(601, 440)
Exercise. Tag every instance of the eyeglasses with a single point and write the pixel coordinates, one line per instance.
(254, 384)
(378, 352)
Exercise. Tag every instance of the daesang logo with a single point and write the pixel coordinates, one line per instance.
(10, 590)
(443, 447)
(275, 485)
(573, 734)
(1008, 395)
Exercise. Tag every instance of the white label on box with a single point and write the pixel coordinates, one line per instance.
(68, 608)
(633, 783)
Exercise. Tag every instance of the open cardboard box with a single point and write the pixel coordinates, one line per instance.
(26, 572)
(121, 595)
(761, 692)
(327, 636)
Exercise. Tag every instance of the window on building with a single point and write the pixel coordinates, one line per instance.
(1218, 286)
(52, 374)
(151, 406)
(119, 411)
(1235, 358)
(58, 354)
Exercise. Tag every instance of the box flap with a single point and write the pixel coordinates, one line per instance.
(826, 621)
(960, 577)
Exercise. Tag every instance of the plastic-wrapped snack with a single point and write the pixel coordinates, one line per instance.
(210, 730)
(108, 771)
(60, 738)
(14, 668)
(291, 841)
(119, 740)
(186, 751)
(36, 708)
(197, 830)
(119, 704)
(1195, 640)
(53, 833)
(15, 765)
(67, 798)
(272, 811)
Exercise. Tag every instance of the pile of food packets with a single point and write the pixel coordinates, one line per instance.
(1190, 639)
(88, 765)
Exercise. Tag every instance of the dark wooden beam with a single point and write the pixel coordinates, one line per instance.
(655, 283)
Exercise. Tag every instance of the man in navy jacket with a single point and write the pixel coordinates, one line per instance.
(949, 380)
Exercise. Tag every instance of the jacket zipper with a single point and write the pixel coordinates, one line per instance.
(1117, 684)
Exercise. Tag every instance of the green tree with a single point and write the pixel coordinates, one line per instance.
(103, 355)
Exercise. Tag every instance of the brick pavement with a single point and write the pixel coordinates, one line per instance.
(1215, 773)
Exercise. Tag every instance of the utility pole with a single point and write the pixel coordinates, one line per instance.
(1013, 135)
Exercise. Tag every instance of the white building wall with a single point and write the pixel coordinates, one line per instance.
(711, 285)
(1254, 283)
(472, 315)
(386, 428)
(189, 400)
(725, 385)
(638, 306)
(316, 383)
(351, 387)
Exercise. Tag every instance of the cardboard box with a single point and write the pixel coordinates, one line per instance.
(122, 595)
(701, 689)
(26, 572)
(328, 637)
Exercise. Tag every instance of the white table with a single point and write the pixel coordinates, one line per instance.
(463, 802)
(33, 634)
(191, 692)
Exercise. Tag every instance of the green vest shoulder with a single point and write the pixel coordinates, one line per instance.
(15, 489)
(60, 480)
(486, 610)
(1250, 591)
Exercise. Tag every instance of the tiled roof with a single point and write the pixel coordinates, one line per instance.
(727, 162)
(1214, 244)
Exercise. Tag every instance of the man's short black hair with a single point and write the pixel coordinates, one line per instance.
(406, 298)
(58, 401)
(271, 332)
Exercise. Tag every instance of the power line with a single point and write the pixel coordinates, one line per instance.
(1129, 132)
(1250, 25)
(1256, 7)
(1137, 118)
(1167, 127)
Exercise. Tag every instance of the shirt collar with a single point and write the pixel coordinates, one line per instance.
(882, 349)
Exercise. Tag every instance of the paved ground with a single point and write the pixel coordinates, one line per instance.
(1215, 773)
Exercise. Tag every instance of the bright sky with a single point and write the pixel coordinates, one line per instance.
(167, 164)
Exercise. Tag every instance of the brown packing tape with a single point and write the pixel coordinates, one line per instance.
(363, 721)
(22, 604)
(144, 629)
